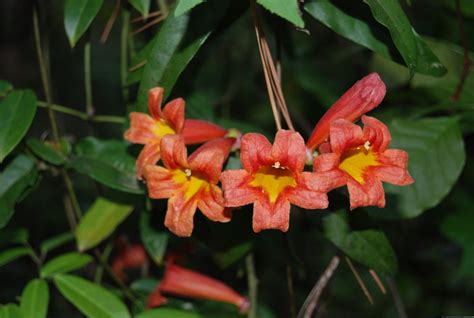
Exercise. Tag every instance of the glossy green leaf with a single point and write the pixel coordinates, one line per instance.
(168, 313)
(287, 9)
(232, 255)
(107, 162)
(10, 311)
(346, 26)
(17, 111)
(173, 47)
(65, 263)
(10, 255)
(35, 299)
(436, 158)
(155, 241)
(13, 236)
(99, 222)
(415, 52)
(56, 241)
(91, 299)
(78, 16)
(15, 180)
(5, 87)
(368, 247)
(46, 151)
(142, 6)
(184, 6)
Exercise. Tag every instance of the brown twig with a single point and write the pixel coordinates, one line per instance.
(137, 66)
(378, 281)
(360, 281)
(150, 15)
(291, 290)
(467, 61)
(110, 22)
(311, 301)
(149, 25)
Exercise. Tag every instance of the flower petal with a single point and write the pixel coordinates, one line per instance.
(159, 182)
(236, 191)
(322, 181)
(307, 199)
(210, 157)
(344, 135)
(267, 216)
(141, 129)
(149, 155)
(211, 204)
(155, 97)
(376, 133)
(197, 131)
(180, 215)
(173, 152)
(289, 150)
(369, 194)
(255, 152)
(394, 167)
(173, 113)
(326, 162)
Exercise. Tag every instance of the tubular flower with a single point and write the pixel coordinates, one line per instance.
(131, 256)
(189, 183)
(183, 282)
(361, 160)
(197, 131)
(273, 178)
(363, 96)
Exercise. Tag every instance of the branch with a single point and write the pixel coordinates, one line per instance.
(467, 61)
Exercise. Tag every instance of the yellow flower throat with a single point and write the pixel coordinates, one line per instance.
(273, 180)
(356, 160)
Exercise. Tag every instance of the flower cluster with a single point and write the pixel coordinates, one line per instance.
(273, 175)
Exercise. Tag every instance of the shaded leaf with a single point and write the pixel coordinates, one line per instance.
(99, 222)
(12, 254)
(46, 151)
(35, 299)
(155, 241)
(5, 87)
(65, 263)
(15, 180)
(184, 6)
(287, 9)
(144, 285)
(78, 16)
(56, 241)
(142, 6)
(13, 236)
(10, 311)
(17, 111)
(232, 255)
(107, 162)
(91, 299)
(168, 313)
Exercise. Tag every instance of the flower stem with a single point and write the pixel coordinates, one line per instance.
(467, 61)
(124, 33)
(88, 79)
(252, 282)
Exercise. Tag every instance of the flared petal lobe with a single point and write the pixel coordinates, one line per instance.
(197, 131)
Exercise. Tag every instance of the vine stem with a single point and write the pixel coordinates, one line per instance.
(252, 282)
(467, 61)
(88, 79)
(124, 33)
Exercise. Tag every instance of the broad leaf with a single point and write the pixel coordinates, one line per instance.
(10, 255)
(10, 311)
(142, 6)
(13, 236)
(35, 299)
(17, 111)
(99, 222)
(55, 242)
(287, 9)
(168, 313)
(5, 87)
(78, 16)
(65, 263)
(184, 6)
(107, 162)
(91, 299)
(436, 158)
(155, 241)
(368, 247)
(416, 54)
(15, 180)
(46, 151)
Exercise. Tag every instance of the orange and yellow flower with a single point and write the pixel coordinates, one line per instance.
(189, 183)
(360, 159)
(272, 178)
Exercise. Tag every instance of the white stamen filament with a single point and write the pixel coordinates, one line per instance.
(277, 165)
(187, 172)
(367, 145)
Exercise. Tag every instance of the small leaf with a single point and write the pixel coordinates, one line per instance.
(287, 9)
(144, 285)
(55, 242)
(107, 162)
(184, 6)
(15, 180)
(65, 263)
(91, 299)
(99, 222)
(35, 299)
(5, 87)
(10, 311)
(229, 257)
(142, 6)
(13, 236)
(17, 111)
(78, 16)
(155, 241)
(168, 313)
(46, 151)
(12, 254)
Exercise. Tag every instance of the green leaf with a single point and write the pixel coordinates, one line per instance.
(287, 9)
(346, 26)
(35, 299)
(467, 7)
(229, 257)
(144, 285)
(107, 162)
(99, 222)
(155, 241)
(91, 299)
(168, 313)
(142, 6)
(12, 254)
(17, 111)
(436, 158)
(55, 242)
(176, 43)
(15, 180)
(184, 6)
(5, 87)
(416, 54)
(368, 247)
(13, 236)
(78, 16)
(65, 263)
(46, 151)
(10, 311)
